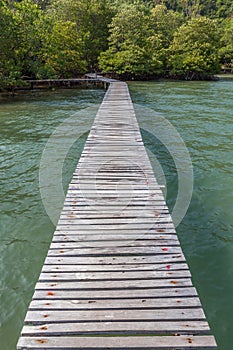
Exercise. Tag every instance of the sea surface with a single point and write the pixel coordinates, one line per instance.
(199, 117)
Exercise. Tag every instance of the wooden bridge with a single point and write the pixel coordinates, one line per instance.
(115, 276)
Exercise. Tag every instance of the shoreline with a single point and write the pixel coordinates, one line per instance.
(43, 85)
(35, 86)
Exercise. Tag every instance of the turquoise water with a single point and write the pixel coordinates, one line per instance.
(25, 126)
(202, 114)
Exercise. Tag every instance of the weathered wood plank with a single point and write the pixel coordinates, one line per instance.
(140, 303)
(89, 242)
(136, 233)
(117, 215)
(117, 285)
(115, 260)
(102, 240)
(113, 191)
(114, 268)
(134, 226)
(125, 240)
(73, 251)
(122, 275)
(81, 294)
(78, 190)
(63, 316)
(133, 203)
(113, 221)
(79, 208)
(119, 343)
(124, 328)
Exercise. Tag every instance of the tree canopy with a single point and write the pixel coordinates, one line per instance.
(194, 49)
(130, 38)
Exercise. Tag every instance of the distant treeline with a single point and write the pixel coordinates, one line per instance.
(133, 39)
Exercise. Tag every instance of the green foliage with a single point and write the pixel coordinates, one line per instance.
(133, 38)
(138, 40)
(62, 51)
(131, 62)
(226, 50)
(20, 39)
(224, 8)
(92, 18)
(165, 22)
(127, 53)
(194, 50)
(43, 3)
(193, 8)
(30, 27)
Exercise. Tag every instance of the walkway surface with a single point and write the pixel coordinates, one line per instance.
(115, 276)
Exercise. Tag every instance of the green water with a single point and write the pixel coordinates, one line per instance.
(202, 114)
(26, 124)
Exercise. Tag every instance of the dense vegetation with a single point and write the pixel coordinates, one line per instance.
(130, 38)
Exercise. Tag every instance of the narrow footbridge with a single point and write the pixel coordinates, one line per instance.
(115, 276)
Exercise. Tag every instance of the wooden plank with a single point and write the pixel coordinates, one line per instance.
(115, 260)
(118, 343)
(114, 268)
(134, 202)
(77, 304)
(134, 226)
(123, 328)
(126, 240)
(116, 285)
(122, 228)
(139, 232)
(107, 189)
(59, 242)
(151, 207)
(115, 217)
(70, 211)
(102, 152)
(143, 239)
(80, 208)
(63, 316)
(76, 251)
(136, 199)
(102, 240)
(115, 294)
(118, 275)
(134, 174)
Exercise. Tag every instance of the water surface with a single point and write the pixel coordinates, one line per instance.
(202, 114)
(26, 123)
